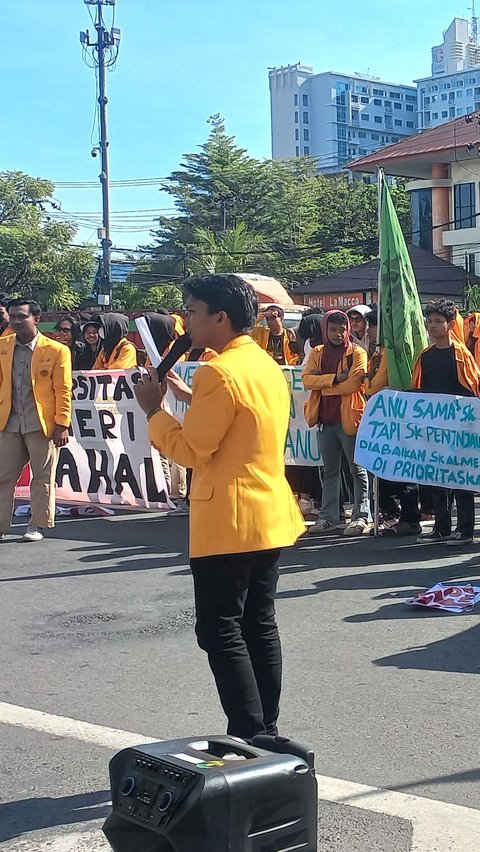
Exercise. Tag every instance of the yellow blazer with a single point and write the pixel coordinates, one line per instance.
(233, 436)
(261, 334)
(123, 357)
(51, 382)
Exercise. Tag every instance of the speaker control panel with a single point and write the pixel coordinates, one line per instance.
(151, 790)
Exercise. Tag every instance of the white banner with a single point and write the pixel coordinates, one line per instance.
(432, 439)
(108, 459)
(302, 444)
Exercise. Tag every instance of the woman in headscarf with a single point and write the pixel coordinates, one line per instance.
(69, 333)
(334, 376)
(118, 353)
(310, 331)
(162, 329)
(93, 343)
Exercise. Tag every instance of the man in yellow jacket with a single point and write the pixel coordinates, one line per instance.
(233, 436)
(35, 413)
(275, 339)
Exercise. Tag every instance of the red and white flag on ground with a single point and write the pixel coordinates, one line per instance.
(459, 598)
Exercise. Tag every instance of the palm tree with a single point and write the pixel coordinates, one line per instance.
(234, 250)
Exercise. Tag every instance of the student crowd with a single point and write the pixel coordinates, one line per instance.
(342, 366)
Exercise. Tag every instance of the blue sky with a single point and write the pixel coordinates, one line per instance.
(181, 61)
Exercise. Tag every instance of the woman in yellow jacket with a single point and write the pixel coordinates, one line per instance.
(118, 353)
(334, 374)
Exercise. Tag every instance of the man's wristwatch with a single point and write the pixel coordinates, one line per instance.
(152, 412)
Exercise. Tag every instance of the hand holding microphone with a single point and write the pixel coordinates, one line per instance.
(151, 388)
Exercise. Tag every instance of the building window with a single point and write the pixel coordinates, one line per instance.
(398, 122)
(388, 105)
(459, 94)
(471, 264)
(295, 100)
(451, 112)
(304, 100)
(410, 124)
(460, 111)
(297, 151)
(365, 117)
(305, 117)
(378, 119)
(306, 134)
(426, 102)
(377, 102)
(394, 95)
(397, 106)
(297, 136)
(364, 100)
(477, 92)
(411, 98)
(355, 99)
(444, 97)
(469, 93)
(342, 115)
(362, 134)
(447, 85)
(362, 151)
(464, 205)
(306, 150)
(434, 115)
(422, 218)
(395, 139)
(378, 92)
(444, 113)
(375, 136)
(459, 84)
(296, 116)
(341, 133)
(409, 107)
(355, 115)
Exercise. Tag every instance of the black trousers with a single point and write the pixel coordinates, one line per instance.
(235, 625)
(391, 494)
(442, 507)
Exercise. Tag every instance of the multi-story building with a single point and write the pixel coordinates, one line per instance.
(453, 89)
(336, 117)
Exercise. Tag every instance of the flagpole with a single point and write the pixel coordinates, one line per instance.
(380, 179)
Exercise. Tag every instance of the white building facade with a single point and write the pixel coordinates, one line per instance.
(336, 117)
(453, 89)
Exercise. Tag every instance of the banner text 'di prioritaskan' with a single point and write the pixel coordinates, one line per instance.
(432, 439)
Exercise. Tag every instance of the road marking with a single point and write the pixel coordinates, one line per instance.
(437, 826)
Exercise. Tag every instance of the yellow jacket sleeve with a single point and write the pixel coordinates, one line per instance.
(355, 375)
(127, 357)
(311, 378)
(205, 424)
(380, 379)
(62, 387)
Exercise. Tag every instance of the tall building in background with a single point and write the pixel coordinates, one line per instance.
(336, 117)
(454, 86)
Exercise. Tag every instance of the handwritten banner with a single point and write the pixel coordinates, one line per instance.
(432, 439)
(108, 458)
(302, 446)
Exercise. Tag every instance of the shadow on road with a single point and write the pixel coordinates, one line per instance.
(26, 815)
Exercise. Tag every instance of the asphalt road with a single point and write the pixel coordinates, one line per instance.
(96, 625)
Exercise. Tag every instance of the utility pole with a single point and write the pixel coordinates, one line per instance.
(104, 54)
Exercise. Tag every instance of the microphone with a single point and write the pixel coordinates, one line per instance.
(178, 349)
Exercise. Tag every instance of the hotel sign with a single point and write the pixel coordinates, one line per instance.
(339, 301)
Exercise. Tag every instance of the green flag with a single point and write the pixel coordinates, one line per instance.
(401, 323)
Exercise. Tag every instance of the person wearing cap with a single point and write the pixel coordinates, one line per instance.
(358, 325)
(275, 339)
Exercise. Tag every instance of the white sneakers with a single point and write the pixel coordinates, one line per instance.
(33, 534)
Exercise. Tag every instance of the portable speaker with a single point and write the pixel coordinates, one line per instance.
(213, 795)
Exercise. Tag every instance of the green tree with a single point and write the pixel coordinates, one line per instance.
(131, 297)
(36, 255)
(292, 222)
